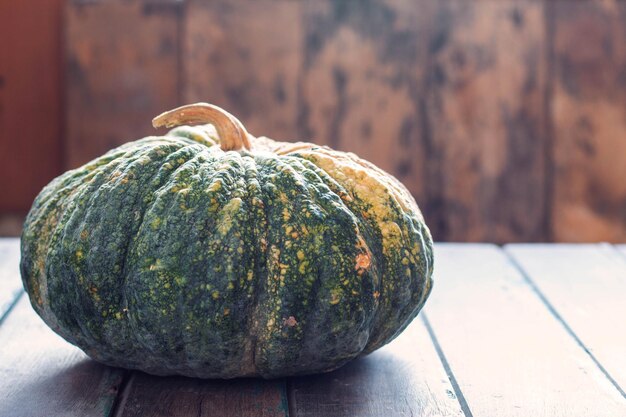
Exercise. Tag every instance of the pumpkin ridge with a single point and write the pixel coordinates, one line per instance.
(426, 243)
(269, 173)
(316, 286)
(365, 230)
(161, 180)
(133, 167)
(320, 272)
(54, 195)
(389, 217)
(47, 201)
(371, 236)
(193, 274)
(259, 234)
(59, 311)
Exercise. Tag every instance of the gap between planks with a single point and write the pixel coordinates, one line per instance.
(583, 286)
(404, 378)
(46, 375)
(509, 354)
(464, 262)
(442, 357)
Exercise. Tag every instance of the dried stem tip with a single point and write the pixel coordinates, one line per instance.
(233, 136)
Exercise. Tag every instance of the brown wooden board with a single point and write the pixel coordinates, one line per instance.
(122, 70)
(42, 375)
(30, 100)
(485, 116)
(405, 378)
(585, 285)
(500, 117)
(153, 396)
(448, 96)
(246, 56)
(363, 76)
(588, 105)
(508, 353)
(10, 282)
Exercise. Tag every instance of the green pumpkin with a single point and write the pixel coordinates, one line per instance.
(211, 253)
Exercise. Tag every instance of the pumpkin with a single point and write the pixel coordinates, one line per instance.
(210, 253)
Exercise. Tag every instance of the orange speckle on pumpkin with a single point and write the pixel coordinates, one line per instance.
(363, 261)
(290, 322)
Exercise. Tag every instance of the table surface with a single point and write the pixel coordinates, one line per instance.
(520, 330)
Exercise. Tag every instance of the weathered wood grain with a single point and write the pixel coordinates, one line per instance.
(405, 378)
(246, 57)
(509, 354)
(363, 82)
(586, 287)
(10, 282)
(504, 119)
(588, 105)
(30, 97)
(41, 374)
(510, 349)
(122, 70)
(148, 395)
(485, 119)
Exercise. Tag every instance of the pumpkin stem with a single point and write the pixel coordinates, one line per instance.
(233, 136)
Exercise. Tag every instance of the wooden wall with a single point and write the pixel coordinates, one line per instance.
(506, 119)
(30, 99)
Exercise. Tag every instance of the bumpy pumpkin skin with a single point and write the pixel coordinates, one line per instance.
(172, 256)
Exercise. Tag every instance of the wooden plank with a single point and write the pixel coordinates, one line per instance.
(405, 378)
(246, 56)
(122, 70)
(362, 87)
(587, 111)
(148, 395)
(586, 286)
(30, 100)
(10, 282)
(508, 353)
(448, 97)
(485, 115)
(44, 375)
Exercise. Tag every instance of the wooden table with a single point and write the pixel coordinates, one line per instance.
(523, 330)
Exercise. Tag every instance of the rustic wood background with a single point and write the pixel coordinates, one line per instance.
(506, 119)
